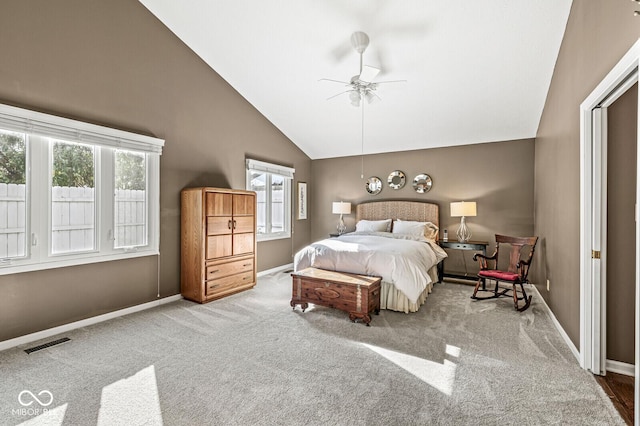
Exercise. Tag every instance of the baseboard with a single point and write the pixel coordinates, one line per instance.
(28, 338)
(620, 368)
(276, 269)
(565, 336)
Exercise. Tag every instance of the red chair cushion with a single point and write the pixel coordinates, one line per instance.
(499, 275)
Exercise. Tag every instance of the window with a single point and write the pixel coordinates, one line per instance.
(74, 193)
(130, 199)
(13, 179)
(272, 184)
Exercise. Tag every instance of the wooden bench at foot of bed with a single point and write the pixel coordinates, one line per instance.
(359, 295)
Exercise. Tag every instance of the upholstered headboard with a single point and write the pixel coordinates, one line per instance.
(403, 210)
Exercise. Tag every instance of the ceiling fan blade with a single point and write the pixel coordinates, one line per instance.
(368, 73)
(335, 81)
(390, 81)
(338, 94)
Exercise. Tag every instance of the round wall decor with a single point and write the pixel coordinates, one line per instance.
(396, 179)
(422, 183)
(373, 185)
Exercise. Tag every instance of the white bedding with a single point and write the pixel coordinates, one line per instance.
(400, 259)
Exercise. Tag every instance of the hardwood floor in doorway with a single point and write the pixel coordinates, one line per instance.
(620, 389)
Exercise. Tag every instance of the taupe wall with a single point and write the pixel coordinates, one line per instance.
(498, 176)
(112, 62)
(621, 245)
(598, 34)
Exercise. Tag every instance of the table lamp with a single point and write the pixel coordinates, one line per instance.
(340, 207)
(463, 209)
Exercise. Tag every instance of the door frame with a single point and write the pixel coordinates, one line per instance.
(591, 236)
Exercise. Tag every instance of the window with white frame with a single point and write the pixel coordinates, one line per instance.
(272, 184)
(74, 193)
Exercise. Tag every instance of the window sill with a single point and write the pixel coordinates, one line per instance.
(261, 237)
(20, 267)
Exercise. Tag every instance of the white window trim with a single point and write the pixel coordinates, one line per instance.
(49, 126)
(287, 174)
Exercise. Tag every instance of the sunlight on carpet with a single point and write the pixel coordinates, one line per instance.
(134, 399)
(439, 376)
(53, 417)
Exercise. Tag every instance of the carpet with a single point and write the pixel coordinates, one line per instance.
(249, 359)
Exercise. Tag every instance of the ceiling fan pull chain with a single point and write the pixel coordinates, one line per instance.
(362, 144)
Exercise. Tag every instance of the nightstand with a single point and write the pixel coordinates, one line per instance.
(480, 246)
(334, 235)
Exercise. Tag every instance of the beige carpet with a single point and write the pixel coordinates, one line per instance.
(249, 359)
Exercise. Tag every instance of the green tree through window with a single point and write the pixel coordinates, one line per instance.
(73, 165)
(12, 158)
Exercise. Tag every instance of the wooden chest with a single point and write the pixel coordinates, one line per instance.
(359, 295)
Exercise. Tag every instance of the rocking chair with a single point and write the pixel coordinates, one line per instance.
(515, 274)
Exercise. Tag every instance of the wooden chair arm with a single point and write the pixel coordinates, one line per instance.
(483, 259)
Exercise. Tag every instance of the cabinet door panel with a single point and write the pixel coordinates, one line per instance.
(243, 224)
(244, 204)
(243, 243)
(219, 246)
(218, 204)
(219, 225)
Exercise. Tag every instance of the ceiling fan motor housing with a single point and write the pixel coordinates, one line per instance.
(359, 41)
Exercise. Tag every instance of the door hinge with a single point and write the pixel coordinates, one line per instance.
(595, 254)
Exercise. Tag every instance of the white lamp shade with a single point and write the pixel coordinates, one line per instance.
(340, 207)
(462, 208)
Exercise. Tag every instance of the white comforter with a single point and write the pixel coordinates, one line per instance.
(400, 259)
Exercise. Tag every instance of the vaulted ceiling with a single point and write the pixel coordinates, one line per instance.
(476, 71)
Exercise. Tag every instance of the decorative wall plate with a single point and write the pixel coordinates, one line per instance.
(422, 183)
(373, 185)
(396, 179)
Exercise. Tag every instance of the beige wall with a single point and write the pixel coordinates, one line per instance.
(498, 176)
(622, 119)
(112, 62)
(598, 34)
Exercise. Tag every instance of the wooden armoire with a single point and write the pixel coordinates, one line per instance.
(218, 242)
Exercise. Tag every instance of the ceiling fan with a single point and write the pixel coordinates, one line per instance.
(362, 85)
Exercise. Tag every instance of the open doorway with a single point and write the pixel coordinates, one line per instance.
(620, 128)
(600, 259)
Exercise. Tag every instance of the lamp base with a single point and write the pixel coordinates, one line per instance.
(342, 228)
(463, 233)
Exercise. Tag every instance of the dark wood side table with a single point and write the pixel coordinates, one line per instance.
(480, 246)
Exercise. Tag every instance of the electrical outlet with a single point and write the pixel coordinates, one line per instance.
(548, 284)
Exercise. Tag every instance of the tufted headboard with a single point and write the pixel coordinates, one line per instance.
(404, 210)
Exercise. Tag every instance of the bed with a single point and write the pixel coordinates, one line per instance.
(386, 244)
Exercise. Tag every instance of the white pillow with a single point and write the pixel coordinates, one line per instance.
(373, 225)
(426, 229)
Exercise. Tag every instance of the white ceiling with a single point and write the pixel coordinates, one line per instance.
(477, 71)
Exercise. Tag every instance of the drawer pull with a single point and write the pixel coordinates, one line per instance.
(229, 224)
(246, 264)
(245, 278)
(214, 271)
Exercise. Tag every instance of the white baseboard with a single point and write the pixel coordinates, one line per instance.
(565, 336)
(621, 368)
(28, 338)
(276, 269)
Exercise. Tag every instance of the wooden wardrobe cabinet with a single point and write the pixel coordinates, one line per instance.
(218, 242)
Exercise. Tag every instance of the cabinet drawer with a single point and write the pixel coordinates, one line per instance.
(225, 269)
(229, 283)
